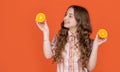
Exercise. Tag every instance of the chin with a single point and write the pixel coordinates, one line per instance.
(66, 26)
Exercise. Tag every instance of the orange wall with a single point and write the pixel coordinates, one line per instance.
(21, 42)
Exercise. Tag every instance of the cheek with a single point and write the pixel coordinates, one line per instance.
(73, 22)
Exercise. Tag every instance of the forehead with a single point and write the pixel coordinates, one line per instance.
(70, 10)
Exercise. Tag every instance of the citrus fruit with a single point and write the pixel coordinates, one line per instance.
(40, 17)
(102, 33)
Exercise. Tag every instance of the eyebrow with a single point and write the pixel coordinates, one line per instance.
(70, 13)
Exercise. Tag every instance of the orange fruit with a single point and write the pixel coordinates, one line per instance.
(102, 33)
(40, 17)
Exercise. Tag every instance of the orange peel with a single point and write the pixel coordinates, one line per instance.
(40, 17)
(102, 33)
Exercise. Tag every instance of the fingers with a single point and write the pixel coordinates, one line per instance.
(98, 40)
(102, 41)
(43, 26)
(39, 25)
(45, 23)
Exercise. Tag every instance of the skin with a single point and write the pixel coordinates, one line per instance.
(70, 22)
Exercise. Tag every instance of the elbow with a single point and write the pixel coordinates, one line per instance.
(90, 68)
(48, 56)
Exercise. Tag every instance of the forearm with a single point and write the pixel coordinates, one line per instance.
(93, 58)
(47, 46)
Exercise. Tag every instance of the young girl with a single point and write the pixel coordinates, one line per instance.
(72, 48)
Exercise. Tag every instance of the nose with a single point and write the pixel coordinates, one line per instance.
(65, 17)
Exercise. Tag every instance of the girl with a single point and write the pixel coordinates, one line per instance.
(72, 48)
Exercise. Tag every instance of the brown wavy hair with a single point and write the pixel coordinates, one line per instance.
(83, 35)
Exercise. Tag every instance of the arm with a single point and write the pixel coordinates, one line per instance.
(46, 43)
(93, 57)
(47, 46)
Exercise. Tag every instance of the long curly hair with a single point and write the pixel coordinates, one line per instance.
(83, 35)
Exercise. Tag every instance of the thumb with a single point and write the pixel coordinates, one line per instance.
(45, 23)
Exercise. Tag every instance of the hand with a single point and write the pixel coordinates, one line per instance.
(43, 27)
(98, 41)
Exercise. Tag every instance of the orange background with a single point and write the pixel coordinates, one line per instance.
(21, 42)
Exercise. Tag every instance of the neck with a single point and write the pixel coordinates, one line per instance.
(73, 30)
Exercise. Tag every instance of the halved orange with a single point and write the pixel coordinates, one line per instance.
(40, 17)
(102, 33)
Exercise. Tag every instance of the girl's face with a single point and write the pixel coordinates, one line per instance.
(69, 19)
